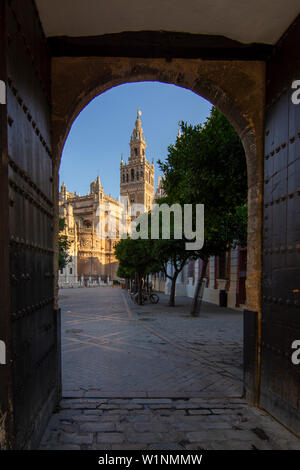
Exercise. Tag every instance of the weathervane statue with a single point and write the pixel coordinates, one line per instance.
(179, 129)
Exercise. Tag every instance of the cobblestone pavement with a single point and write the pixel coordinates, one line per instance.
(154, 378)
(163, 424)
(112, 347)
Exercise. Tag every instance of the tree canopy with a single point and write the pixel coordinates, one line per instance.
(137, 257)
(207, 166)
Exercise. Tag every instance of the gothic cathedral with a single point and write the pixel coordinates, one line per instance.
(91, 255)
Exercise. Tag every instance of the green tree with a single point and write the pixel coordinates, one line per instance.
(126, 274)
(207, 165)
(170, 251)
(139, 257)
(63, 245)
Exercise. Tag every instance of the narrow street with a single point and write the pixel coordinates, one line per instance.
(152, 377)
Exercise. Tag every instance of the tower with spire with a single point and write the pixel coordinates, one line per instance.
(96, 187)
(137, 176)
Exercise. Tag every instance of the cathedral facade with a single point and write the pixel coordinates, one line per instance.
(88, 218)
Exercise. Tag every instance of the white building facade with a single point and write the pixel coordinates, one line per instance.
(226, 273)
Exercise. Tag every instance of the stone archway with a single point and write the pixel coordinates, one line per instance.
(236, 88)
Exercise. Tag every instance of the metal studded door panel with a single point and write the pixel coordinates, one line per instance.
(30, 224)
(6, 407)
(280, 378)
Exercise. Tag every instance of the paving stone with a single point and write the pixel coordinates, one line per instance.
(118, 412)
(128, 393)
(77, 404)
(241, 435)
(224, 445)
(108, 407)
(127, 446)
(172, 435)
(197, 436)
(138, 418)
(87, 418)
(134, 406)
(189, 406)
(188, 426)
(67, 447)
(210, 419)
(166, 446)
(198, 446)
(219, 425)
(150, 401)
(199, 412)
(74, 438)
(98, 427)
(122, 401)
(116, 419)
(142, 438)
(73, 394)
(96, 412)
(223, 411)
(94, 394)
(99, 446)
(109, 437)
(162, 406)
(150, 427)
(171, 413)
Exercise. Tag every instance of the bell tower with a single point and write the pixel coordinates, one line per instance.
(137, 141)
(137, 176)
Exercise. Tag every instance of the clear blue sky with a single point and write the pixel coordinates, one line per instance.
(102, 131)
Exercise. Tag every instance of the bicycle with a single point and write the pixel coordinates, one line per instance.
(133, 295)
(151, 297)
(154, 299)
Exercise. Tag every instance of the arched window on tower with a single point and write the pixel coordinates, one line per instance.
(137, 175)
(135, 152)
(132, 174)
(123, 178)
(127, 178)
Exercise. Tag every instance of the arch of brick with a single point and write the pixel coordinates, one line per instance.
(236, 88)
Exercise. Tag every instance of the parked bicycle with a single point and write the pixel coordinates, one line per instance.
(146, 297)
